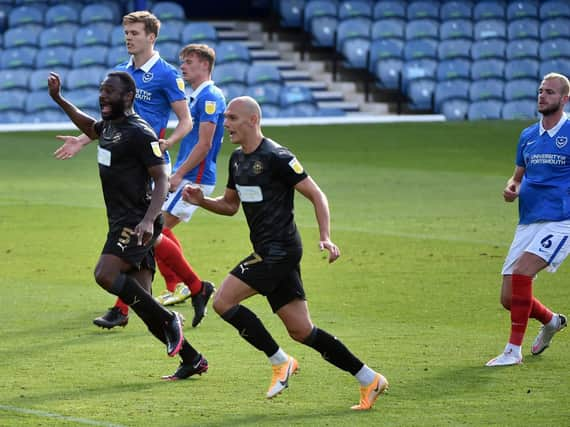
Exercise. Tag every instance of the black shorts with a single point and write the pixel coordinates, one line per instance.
(277, 276)
(121, 243)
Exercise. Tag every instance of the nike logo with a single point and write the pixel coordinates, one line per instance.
(377, 389)
(286, 381)
(530, 142)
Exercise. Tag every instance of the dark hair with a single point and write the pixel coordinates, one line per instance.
(127, 81)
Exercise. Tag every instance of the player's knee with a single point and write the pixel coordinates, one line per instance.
(506, 302)
(219, 305)
(103, 278)
(300, 333)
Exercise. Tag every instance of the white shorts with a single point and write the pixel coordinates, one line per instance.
(547, 240)
(174, 204)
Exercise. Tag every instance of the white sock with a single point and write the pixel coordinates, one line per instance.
(365, 376)
(516, 349)
(279, 357)
(554, 322)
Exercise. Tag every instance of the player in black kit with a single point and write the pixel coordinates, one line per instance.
(130, 161)
(263, 176)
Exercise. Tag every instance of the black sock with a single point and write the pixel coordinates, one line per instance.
(251, 329)
(333, 351)
(189, 354)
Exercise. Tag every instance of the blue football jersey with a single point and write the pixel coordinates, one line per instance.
(545, 188)
(207, 104)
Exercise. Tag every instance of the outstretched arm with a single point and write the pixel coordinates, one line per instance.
(71, 146)
(228, 204)
(511, 191)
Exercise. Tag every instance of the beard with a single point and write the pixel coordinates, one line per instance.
(549, 109)
(116, 111)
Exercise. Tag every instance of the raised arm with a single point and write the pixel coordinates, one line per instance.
(228, 204)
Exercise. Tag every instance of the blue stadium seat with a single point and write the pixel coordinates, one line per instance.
(225, 74)
(524, 48)
(318, 9)
(13, 100)
(524, 29)
(355, 52)
(232, 90)
(388, 73)
(169, 51)
(518, 89)
(117, 7)
(54, 57)
(199, 32)
(555, 28)
(450, 89)
(49, 116)
(522, 10)
(456, 29)
(84, 99)
(554, 9)
(455, 10)
(14, 79)
(117, 37)
(117, 55)
(458, 68)
(352, 28)
(420, 93)
(451, 49)
(27, 35)
(86, 77)
(168, 11)
(232, 52)
(38, 78)
(388, 29)
(97, 12)
(521, 68)
(38, 101)
(20, 57)
(171, 31)
(330, 112)
(25, 15)
(11, 116)
(348, 9)
(489, 48)
(270, 111)
(265, 94)
(291, 95)
(485, 110)
(60, 35)
(420, 49)
(291, 13)
(89, 56)
(417, 69)
(559, 65)
(488, 10)
(389, 9)
(422, 28)
(300, 110)
(383, 49)
(489, 29)
(263, 73)
(519, 110)
(323, 30)
(554, 48)
(422, 10)
(481, 90)
(96, 34)
(61, 14)
(454, 109)
(488, 69)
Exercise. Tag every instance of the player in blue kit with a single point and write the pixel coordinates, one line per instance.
(196, 161)
(541, 182)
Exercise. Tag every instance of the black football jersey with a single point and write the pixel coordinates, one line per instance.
(265, 181)
(126, 150)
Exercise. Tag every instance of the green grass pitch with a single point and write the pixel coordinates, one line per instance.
(417, 211)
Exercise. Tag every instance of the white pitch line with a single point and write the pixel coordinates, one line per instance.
(45, 414)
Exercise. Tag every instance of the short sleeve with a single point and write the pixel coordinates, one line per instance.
(288, 168)
(231, 183)
(520, 147)
(148, 149)
(174, 86)
(98, 127)
(209, 108)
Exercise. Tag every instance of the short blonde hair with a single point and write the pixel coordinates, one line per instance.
(151, 22)
(203, 51)
(564, 83)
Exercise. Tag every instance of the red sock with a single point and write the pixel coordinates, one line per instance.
(521, 304)
(170, 234)
(170, 277)
(540, 312)
(167, 251)
(122, 306)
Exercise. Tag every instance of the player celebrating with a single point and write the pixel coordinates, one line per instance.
(541, 181)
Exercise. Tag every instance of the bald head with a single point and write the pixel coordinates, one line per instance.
(243, 122)
(246, 105)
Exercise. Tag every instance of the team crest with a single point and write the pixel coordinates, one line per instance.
(296, 166)
(210, 107)
(561, 141)
(180, 84)
(257, 167)
(147, 77)
(156, 148)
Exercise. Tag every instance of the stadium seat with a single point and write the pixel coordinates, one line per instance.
(89, 56)
(168, 11)
(351, 28)
(521, 10)
(60, 35)
(27, 35)
(489, 48)
(355, 52)
(554, 48)
(452, 49)
(420, 49)
(265, 94)
(450, 89)
(489, 29)
(96, 34)
(291, 95)
(456, 29)
(348, 9)
(422, 28)
(38, 101)
(525, 48)
(388, 29)
(53, 57)
(488, 69)
(85, 99)
(38, 78)
(20, 57)
(14, 79)
(169, 51)
(527, 28)
(454, 109)
(11, 116)
(263, 73)
(86, 77)
(420, 93)
(559, 65)
(170, 32)
(117, 37)
(291, 13)
(199, 32)
(300, 110)
(521, 68)
(422, 10)
(485, 110)
(61, 14)
(323, 30)
(389, 9)
(555, 28)
(417, 69)
(117, 55)
(554, 9)
(457, 68)
(318, 9)
(518, 89)
(519, 110)
(48, 116)
(488, 10)
(270, 111)
(481, 90)
(25, 15)
(13, 100)
(225, 74)
(388, 73)
(383, 49)
(232, 52)
(97, 12)
(455, 10)
(232, 90)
